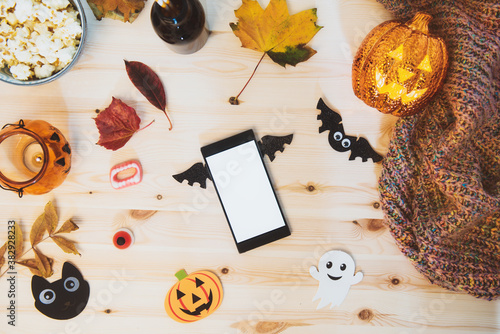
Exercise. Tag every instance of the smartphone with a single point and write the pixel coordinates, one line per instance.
(245, 192)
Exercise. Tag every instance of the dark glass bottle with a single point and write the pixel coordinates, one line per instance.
(180, 23)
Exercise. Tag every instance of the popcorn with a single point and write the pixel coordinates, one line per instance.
(44, 71)
(56, 4)
(21, 71)
(37, 37)
(24, 10)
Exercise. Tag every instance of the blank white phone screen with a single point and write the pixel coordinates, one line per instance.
(245, 191)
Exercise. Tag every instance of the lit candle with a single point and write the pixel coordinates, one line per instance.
(33, 157)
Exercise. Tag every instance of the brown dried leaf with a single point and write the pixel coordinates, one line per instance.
(44, 264)
(123, 10)
(38, 230)
(18, 241)
(51, 218)
(68, 226)
(66, 245)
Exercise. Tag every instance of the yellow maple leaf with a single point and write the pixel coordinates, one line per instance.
(273, 31)
(123, 10)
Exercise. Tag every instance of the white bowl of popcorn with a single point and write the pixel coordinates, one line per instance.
(39, 39)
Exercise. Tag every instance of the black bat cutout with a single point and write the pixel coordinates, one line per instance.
(198, 173)
(269, 145)
(339, 141)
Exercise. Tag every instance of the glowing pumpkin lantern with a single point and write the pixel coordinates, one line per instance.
(194, 297)
(399, 66)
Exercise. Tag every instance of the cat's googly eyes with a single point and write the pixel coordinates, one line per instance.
(47, 296)
(71, 284)
(338, 136)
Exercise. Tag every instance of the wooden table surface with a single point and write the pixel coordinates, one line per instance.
(329, 201)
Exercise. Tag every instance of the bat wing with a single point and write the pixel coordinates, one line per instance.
(331, 120)
(360, 147)
(271, 144)
(196, 173)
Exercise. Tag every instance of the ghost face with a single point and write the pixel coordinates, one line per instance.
(335, 274)
(337, 266)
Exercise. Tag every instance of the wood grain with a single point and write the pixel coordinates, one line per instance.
(329, 201)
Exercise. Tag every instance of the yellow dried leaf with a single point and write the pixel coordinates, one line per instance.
(30, 263)
(38, 230)
(2, 253)
(68, 226)
(44, 264)
(275, 32)
(32, 266)
(66, 245)
(51, 218)
(18, 241)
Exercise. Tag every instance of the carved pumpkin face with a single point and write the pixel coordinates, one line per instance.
(399, 67)
(42, 154)
(194, 297)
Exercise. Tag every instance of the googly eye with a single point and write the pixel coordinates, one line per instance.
(123, 238)
(346, 143)
(71, 284)
(47, 296)
(338, 136)
(343, 266)
(329, 264)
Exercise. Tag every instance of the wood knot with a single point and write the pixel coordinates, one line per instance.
(395, 281)
(311, 187)
(270, 327)
(90, 193)
(376, 205)
(108, 311)
(159, 197)
(375, 225)
(142, 214)
(365, 315)
(97, 111)
(224, 270)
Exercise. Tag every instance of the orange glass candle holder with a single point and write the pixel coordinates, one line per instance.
(35, 157)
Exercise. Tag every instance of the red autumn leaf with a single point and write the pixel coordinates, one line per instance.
(116, 124)
(149, 84)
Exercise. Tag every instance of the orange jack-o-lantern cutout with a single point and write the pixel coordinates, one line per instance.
(194, 297)
(34, 157)
(399, 66)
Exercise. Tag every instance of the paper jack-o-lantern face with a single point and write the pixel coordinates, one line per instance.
(399, 67)
(194, 297)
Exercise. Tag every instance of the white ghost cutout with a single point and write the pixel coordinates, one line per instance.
(335, 276)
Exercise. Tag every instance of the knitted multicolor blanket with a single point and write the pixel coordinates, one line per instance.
(440, 182)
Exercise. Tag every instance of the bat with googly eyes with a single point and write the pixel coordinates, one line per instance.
(341, 142)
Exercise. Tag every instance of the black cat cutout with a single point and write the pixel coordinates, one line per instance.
(63, 299)
(198, 173)
(339, 141)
